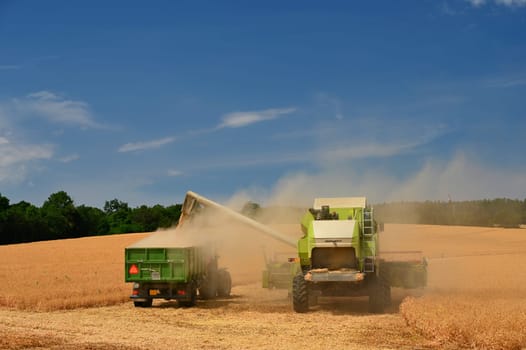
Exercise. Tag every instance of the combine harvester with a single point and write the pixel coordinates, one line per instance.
(338, 254)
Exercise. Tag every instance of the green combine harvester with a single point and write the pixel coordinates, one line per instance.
(338, 254)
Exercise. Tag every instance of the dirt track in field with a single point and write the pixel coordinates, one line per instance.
(468, 268)
(252, 318)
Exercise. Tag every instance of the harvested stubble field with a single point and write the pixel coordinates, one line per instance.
(69, 295)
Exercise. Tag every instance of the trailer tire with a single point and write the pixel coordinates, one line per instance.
(147, 303)
(208, 288)
(193, 296)
(300, 293)
(224, 285)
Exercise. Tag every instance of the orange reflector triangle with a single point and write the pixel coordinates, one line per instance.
(133, 270)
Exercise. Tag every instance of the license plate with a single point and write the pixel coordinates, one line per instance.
(156, 275)
(153, 292)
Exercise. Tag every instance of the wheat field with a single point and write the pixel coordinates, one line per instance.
(476, 294)
(64, 274)
(71, 294)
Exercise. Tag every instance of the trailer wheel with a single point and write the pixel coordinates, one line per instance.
(224, 285)
(208, 288)
(379, 296)
(300, 293)
(193, 296)
(147, 303)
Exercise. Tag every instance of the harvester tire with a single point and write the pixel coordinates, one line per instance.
(379, 296)
(224, 285)
(387, 295)
(300, 293)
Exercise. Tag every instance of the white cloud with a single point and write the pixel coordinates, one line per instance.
(139, 146)
(506, 83)
(242, 119)
(371, 150)
(509, 3)
(333, 104)
(69, 158)
(174, 172)
(15, 159)
(57, 109)
(477, 3)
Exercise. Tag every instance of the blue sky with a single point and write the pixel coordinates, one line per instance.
(274, 101)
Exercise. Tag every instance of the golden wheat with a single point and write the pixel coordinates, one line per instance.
(484, 320)
(64, 274)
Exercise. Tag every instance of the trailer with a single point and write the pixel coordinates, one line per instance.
(175, 273)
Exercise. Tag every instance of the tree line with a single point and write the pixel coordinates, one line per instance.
(60, 218)
(487, 212)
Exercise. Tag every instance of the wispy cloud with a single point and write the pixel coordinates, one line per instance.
(70, 158)
(331, 103)
(48, 105)
(173, 172)
(144, 145)
(15, 158)
(506, 83)
(365, 151)
(242, 119)
(448, 10)
(509, 3)
(476, 3)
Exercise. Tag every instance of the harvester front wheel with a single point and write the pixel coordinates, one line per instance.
(300, 293)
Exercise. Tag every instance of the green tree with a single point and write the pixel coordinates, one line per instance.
(119, 217)
(4, 207)
(61, 215)
(92, 222)
(24, 223)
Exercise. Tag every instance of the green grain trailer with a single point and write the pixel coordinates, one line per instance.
(174, 273)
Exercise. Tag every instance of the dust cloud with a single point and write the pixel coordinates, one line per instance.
(241, 249)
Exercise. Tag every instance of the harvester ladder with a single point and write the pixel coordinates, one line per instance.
(367, 223)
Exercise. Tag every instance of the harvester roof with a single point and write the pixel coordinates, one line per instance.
(341, 202)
